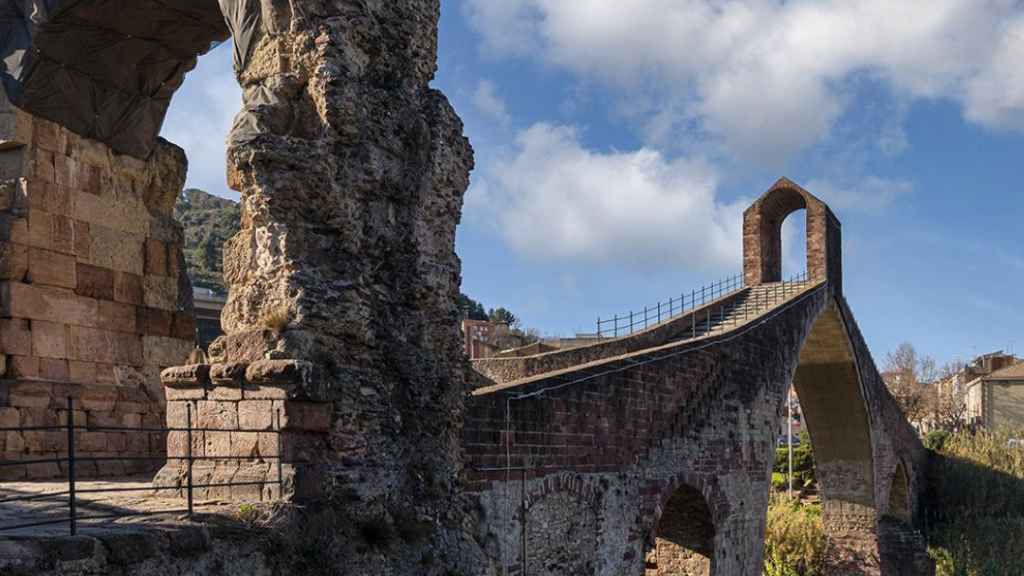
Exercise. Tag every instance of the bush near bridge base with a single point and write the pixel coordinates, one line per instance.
(976, 505)
(795, 542)
(803, 466)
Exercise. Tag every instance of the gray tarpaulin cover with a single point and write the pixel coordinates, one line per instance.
(107, 69)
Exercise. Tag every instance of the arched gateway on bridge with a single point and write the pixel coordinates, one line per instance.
(670, 432)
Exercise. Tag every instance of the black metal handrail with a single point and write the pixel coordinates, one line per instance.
(628, 323)
(73, 492)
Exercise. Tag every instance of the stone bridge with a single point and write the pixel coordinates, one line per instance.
(644, 453)
(654, 451)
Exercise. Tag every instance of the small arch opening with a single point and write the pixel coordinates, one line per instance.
(899, 495)
(685, 537)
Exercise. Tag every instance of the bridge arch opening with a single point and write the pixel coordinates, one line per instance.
(684, 542)
(835, 413)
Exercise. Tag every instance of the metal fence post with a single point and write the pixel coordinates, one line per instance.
(280, 455)
(659, 312)
(615, 325)
(598, 326)
(188, 427)
(630, 321)
(72, 511)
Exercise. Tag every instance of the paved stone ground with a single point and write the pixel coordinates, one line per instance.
(146, 501)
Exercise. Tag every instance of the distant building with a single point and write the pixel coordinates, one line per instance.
(798, 417)
(994, 388)
(208, 305)
(486, 339)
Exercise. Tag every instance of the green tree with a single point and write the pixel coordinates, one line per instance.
(504, 315)
(471, 308)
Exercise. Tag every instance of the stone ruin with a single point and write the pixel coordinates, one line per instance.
(341, 328)
(342, 353)
(95, 299)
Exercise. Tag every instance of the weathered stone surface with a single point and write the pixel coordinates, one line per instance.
(279, 372)
(186, 376)
(48, 340)
(95, 282)
(230, 374)
(343, 276)
(256, 415)
(13, 261)
(309, 416)
(164, 350)
(15, 336)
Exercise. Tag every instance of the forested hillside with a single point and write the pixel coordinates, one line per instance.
(208, 221)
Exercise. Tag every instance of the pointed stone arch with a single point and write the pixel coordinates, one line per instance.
(899, 495)
(762, 236)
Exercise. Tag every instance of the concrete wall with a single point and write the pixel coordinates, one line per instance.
(94, 299)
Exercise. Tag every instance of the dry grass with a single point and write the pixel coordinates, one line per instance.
(277, 319)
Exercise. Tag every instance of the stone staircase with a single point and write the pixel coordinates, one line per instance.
(747, 306)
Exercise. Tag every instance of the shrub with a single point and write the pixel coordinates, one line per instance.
(795, 541)
(936, 439)
(803, 464)
(977, 512)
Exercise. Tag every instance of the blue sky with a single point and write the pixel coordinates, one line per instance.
(616, 151)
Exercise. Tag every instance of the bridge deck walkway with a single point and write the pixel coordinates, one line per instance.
(730, 314)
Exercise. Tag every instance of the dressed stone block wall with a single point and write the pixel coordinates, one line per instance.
(243, 418)
(94, 299)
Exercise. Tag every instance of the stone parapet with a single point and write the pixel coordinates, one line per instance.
(242, 418)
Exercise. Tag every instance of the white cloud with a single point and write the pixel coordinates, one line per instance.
(769, 77)
(867, 194)
(200, 117)
(489, 103)
(995, 97)
(553, 199)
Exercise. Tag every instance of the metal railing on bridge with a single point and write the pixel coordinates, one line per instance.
(635, 321)
(641, 319)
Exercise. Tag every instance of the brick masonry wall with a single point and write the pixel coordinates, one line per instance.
(612, 451)
(622, 445)
(94, 299)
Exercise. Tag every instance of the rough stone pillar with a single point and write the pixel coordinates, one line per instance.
(94, 300)
(352, 171)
